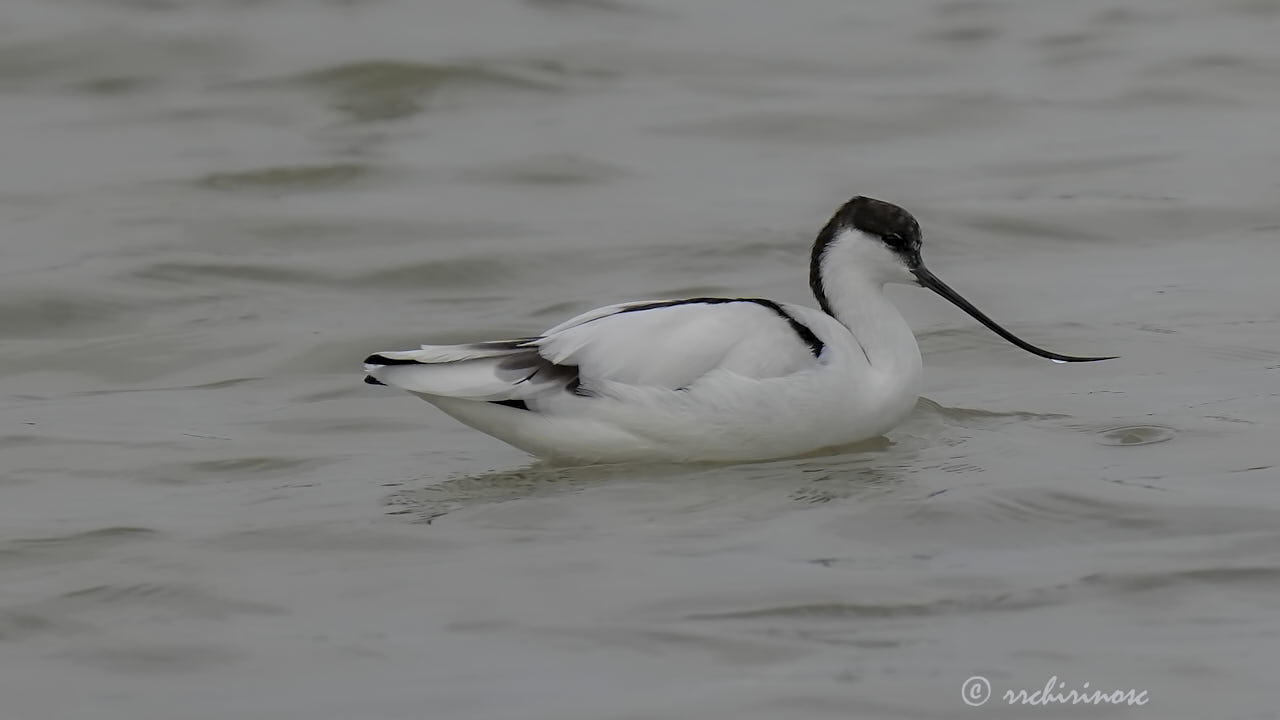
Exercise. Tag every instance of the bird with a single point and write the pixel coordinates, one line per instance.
(707, 379)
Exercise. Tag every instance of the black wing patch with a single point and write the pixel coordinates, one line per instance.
(806, 335)
(384, 360)
(517, 404)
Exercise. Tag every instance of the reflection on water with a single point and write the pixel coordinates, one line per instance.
(212, 210)
(875, 467)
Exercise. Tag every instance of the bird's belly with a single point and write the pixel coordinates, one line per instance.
(786, 417)
(767, 419)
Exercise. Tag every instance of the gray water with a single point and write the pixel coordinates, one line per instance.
(211, 210)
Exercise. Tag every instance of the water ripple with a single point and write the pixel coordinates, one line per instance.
(379, 90)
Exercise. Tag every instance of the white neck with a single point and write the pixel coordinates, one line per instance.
(854, 291)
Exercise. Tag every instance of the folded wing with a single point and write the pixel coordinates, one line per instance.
(667, 345)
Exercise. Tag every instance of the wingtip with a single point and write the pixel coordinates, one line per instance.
(1063, 360)
(371, 380)
(377, 360)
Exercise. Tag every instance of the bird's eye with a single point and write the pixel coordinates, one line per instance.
(893, 239)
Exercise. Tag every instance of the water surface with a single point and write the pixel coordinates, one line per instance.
(212, 210)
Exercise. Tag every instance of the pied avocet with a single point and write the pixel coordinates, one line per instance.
(708, 378)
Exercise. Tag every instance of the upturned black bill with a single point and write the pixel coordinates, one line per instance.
(931, 281)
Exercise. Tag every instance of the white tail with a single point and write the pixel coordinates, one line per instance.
(493, 371)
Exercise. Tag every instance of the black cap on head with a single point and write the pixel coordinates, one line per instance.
(893, 225)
